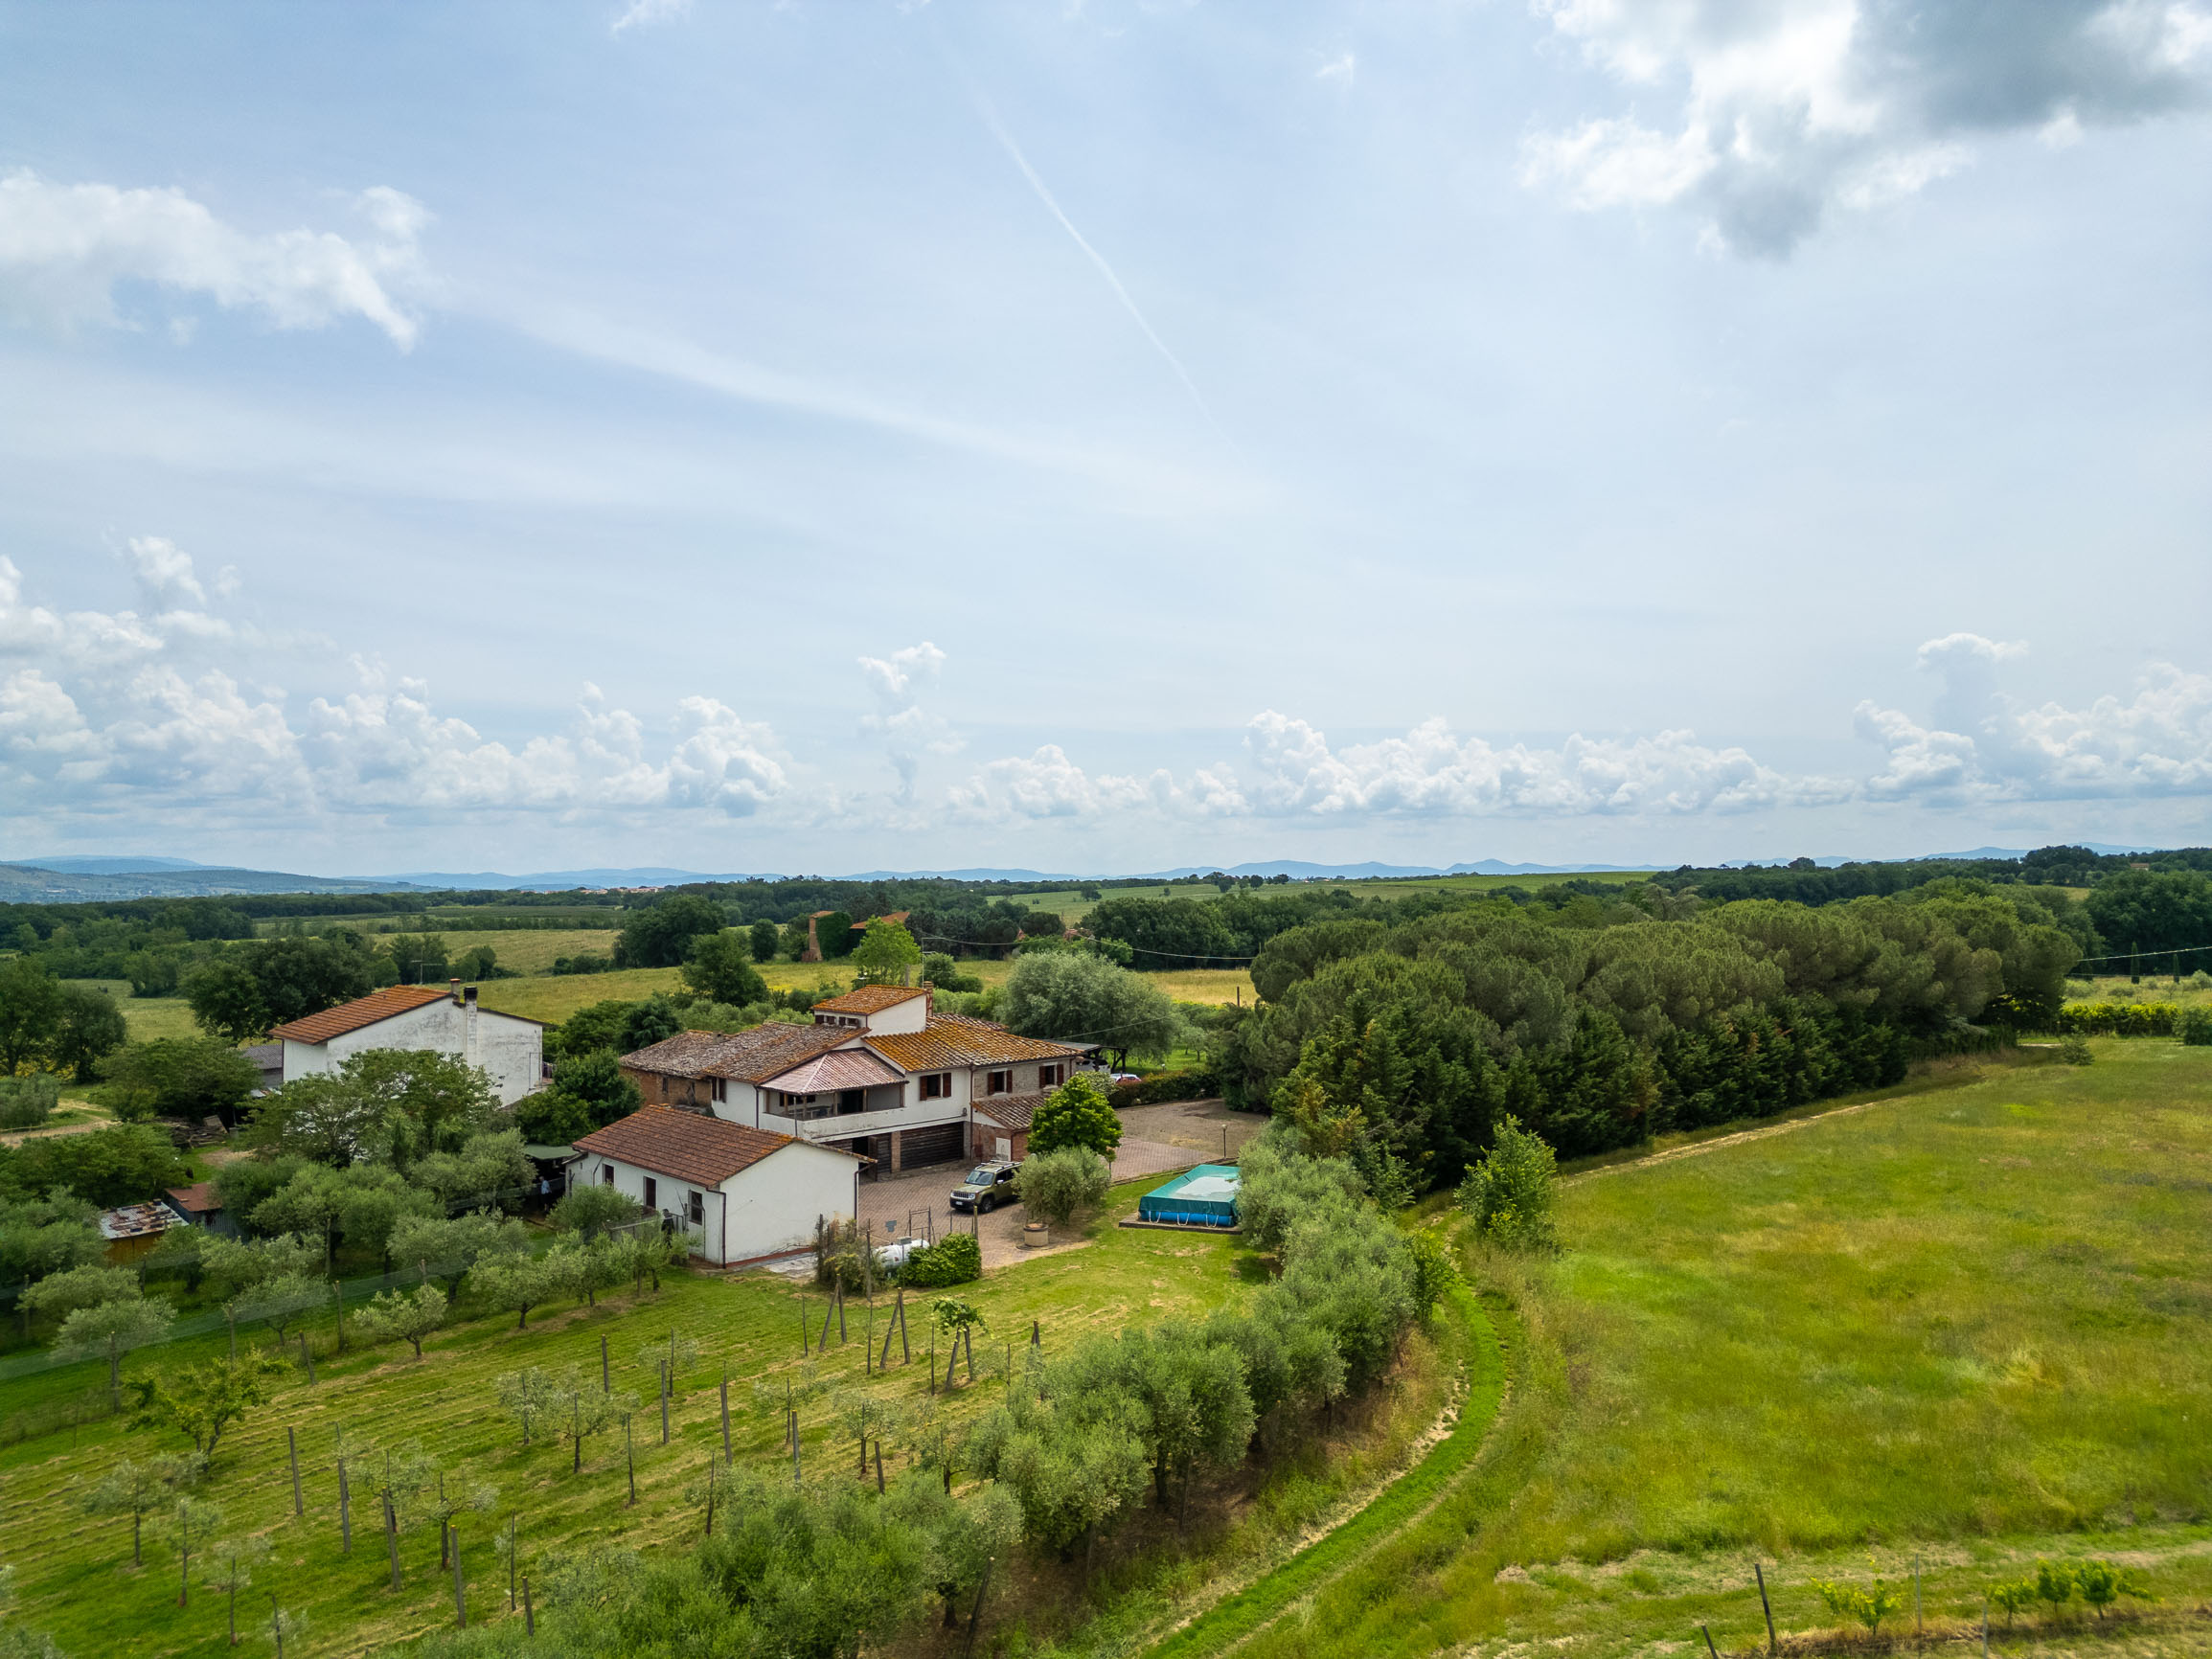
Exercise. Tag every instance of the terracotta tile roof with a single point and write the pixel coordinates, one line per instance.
(687, 1146)
(956, 1040)
(871, 999)
(1010, 1111)
(838, 1069)
(751, 1056)
(196, 1200)
(380, 1005)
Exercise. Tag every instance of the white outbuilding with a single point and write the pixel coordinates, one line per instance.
(741, 1193)
(506, 1047)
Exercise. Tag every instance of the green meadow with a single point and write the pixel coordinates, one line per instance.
(1971, 1326)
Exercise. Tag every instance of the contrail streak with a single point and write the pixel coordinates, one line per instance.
(1036, 184)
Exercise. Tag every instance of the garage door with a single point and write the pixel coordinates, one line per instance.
(942, 1143)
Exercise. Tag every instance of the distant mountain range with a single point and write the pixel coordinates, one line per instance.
(75, 878)
(167, 878)
(560, 881)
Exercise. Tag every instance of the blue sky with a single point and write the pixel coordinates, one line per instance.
(1101, 436)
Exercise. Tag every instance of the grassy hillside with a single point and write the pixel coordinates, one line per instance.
(77, 1581)
(1968, 1324)
(553, 999)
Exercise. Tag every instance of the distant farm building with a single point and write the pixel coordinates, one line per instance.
(419, 1018)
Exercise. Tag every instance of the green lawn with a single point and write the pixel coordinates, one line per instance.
(75, 1576)
(554, 998)
(529, 950)
(1969, 1325)
(147, 1017)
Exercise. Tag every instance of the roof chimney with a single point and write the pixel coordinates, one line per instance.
(456, 984)
(470, 993)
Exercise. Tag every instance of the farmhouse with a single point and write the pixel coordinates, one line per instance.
(879, 1073)
(738, 1192)
(505, 1046)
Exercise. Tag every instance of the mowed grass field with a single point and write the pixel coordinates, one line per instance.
(75, 1574)
(1973, 1326)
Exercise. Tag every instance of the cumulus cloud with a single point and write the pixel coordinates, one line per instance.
(908, 730)
(65, 247)
(1791, 109)
(124, 713)
(1047, 785)
(1431, 772)
(1981, 745)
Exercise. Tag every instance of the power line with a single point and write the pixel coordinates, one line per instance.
(2139, 955)
(1138, 950)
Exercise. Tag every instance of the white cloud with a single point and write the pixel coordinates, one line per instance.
(157, 715)
(109, 720)
(1429, 772)
(1791, 107)
(908, 730)
(1343, 68)
(64, 248)
(644, 11)
(1981, 745)
(1048, 784)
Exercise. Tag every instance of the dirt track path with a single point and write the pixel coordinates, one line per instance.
(1696, 1147)
(1449, 1450)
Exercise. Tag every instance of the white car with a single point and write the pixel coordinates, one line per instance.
(1126, 1077)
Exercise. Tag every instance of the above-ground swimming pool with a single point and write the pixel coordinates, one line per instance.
(1205, 1196)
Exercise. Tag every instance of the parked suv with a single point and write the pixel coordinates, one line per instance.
(987, 1187)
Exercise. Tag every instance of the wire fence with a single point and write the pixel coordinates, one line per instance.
(309, 1331)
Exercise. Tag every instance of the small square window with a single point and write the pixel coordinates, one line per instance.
(1047, 1077)
(999, 1083)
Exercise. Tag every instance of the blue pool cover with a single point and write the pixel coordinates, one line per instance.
(1205, 1196)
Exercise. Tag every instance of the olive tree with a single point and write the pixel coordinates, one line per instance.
(138, 1489)
(1055, 1185)
(402, 1316)
(113, 1328)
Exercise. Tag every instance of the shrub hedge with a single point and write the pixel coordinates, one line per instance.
(953, 1260)
(2119, 1018)
(1162, 1087)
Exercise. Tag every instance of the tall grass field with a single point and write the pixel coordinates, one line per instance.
(1973, 1326)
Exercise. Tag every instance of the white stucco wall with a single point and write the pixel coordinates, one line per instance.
(760, 1211)
(510, 1049)
(774, 1203)
(909, 1015)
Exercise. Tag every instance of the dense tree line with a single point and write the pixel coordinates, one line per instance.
(1403, 1046)
(1801, 881)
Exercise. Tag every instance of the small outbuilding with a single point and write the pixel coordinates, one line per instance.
(741, 1193)
(198, 1205)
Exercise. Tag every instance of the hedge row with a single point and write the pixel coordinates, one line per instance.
(1162, 1087)
(2120, 1019)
